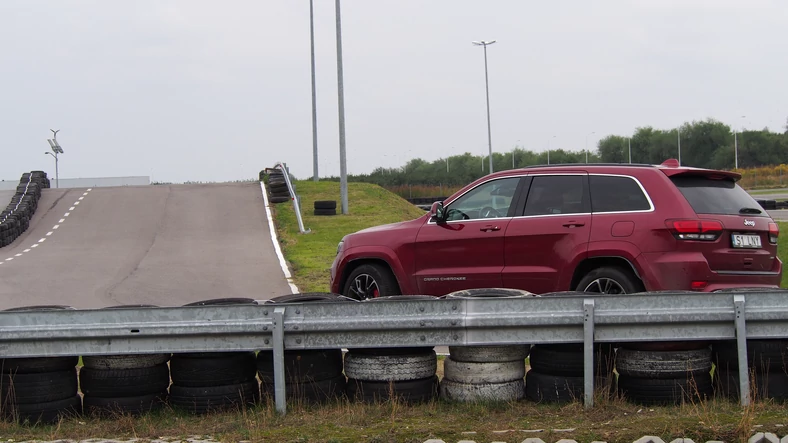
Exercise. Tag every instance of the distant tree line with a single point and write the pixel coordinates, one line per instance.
(704, 144)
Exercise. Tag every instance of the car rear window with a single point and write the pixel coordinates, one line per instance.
(616, 194)
(710, 196)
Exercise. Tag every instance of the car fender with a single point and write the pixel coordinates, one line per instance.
(619, 249)
(381, 253)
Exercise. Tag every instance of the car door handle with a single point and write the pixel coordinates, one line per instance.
(490, 228)
(573, 224)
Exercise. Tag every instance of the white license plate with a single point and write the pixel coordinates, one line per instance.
(746, 241)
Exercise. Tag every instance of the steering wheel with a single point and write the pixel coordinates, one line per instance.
(489, 212)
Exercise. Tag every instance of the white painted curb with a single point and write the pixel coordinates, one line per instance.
(275, 241)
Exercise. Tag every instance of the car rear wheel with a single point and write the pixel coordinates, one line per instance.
(370, 281)
(609, 280)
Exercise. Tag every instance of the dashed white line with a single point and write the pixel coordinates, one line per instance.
(81, 198)
(55, 227)
(9, 259)
(35, 245)
(26, 250)
(61, 220)
(85, 193)
(18, 255)
(71, 208)
(42, 240)
(49, 233)
(76, 203)
(66, 214)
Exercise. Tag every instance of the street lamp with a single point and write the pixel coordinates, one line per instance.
(629, 145)
(678, 136)
(513, 151)
(587, 144)
(56, 149)
(736, 146)
(548, 148)
(487, 89)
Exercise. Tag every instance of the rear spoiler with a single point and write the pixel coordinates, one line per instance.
(672, 168)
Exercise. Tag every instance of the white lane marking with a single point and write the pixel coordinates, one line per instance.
(42, 240)
(61, 220)
(66, 214)
(76, 203)
(55, 227)
(49, 233)
(90, 189)
(35, 245)
(26, 250)
(18, 255)
(9, 259)
(278, 250)
(71, 208)
(85, 193)
(1, 262)
(81, 198)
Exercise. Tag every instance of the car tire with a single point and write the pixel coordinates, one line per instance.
(489, 293)
(312, 392)
(568, 359)
(200, 400)
(550, 388)
(663, 364)
(390, 367)
(32, 365)
(106, 362)
(44, 412)
(279, 199)
(325, 212)
(212, 368)
(325, 204)
(370, 281)
(38, 387)
(310, 297)
(495, 392)
(610, 280)
(489, 354)
(773, 385)
(135, 405)
(302, 366)
(480, 373)
(649, 391)
(109, 383)
(407, 391)
(762, 355)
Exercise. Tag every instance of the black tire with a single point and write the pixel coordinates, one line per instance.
(279, 199)
(568, 360)
(325, 204)
(483, 372)
(489, 293)
(302, 366)
(310, 297)
(489, 354)
(487, 392)
(200, 400)
(410, 392)
(45, 412)
(135, 405)
(212, 369)
(622, 281)
(38, 387)
(34, 365)
(325, 212)
(110, 383)
(124, 361)
(762, 355)
(663, 364)
(403, 367)
(278, 187)
(674, 346)
(647, 391)
(541, 387)
(224, 302)
(370, 281)
(311, 392)
(772, 385)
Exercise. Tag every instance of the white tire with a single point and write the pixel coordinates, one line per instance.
(489, 354)
(390, 367)
(124, 361)
(466, 392)
(480, 373)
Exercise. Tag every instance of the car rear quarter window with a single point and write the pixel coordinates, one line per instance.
(617, 194)
(715, 196)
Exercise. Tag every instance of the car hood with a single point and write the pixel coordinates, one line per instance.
(387, 227)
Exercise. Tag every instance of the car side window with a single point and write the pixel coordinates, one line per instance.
(556, 194)
(491, 199)
(616, 194)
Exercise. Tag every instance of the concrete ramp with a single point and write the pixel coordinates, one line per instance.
(162, 245)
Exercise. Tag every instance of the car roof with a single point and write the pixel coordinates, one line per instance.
(670, 168)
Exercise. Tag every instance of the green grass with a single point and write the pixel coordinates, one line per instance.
(768, 191)
(310, 255)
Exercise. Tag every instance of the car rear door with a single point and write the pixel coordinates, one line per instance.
(551, 236)
(467, 251)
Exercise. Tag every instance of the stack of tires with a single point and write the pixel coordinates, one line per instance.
(484, 373)
(208, 381)
(311, 375)
(664, 373)
(767, 363)
(557, 372)
(278, 191)
(39, 389)
(15, 219)
(326, 207)
(126, 384)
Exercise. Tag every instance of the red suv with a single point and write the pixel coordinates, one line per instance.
(609, 228)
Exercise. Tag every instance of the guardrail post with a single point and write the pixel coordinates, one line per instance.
(279, 360)
(588, 351)
(741, 346)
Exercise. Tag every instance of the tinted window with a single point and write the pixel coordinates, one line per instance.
(613, 194)
(556, 194)
(488, 200)
(709, 196)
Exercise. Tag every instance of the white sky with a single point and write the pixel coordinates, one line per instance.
(212, 91)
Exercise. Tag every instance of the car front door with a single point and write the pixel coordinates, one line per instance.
(543, 245)
(467, 250)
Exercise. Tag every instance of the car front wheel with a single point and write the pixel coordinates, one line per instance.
(370, 281)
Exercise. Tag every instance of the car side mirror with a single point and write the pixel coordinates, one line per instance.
(437, 214)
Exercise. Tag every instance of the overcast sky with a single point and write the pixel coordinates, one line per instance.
(216, 90)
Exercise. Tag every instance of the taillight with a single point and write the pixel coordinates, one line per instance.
(703, 230)
(774, 232)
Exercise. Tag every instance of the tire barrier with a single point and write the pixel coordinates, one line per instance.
(15, 218)
(556, 373)
(767, 366)
(276, 185)
(484, 373)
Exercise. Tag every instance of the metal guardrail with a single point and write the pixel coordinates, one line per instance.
(293, 196)
(392, 323)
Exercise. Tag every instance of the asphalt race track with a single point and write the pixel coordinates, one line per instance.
(160, 245)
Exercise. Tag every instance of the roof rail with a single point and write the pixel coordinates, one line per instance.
(585, 165)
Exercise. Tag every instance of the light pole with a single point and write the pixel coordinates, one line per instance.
(56, 149)
(548, 148)
(314, 98)
(736, 146)
(487, 89)
(629, 144)
(587, 144)
(513, 151)
(678, 136)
